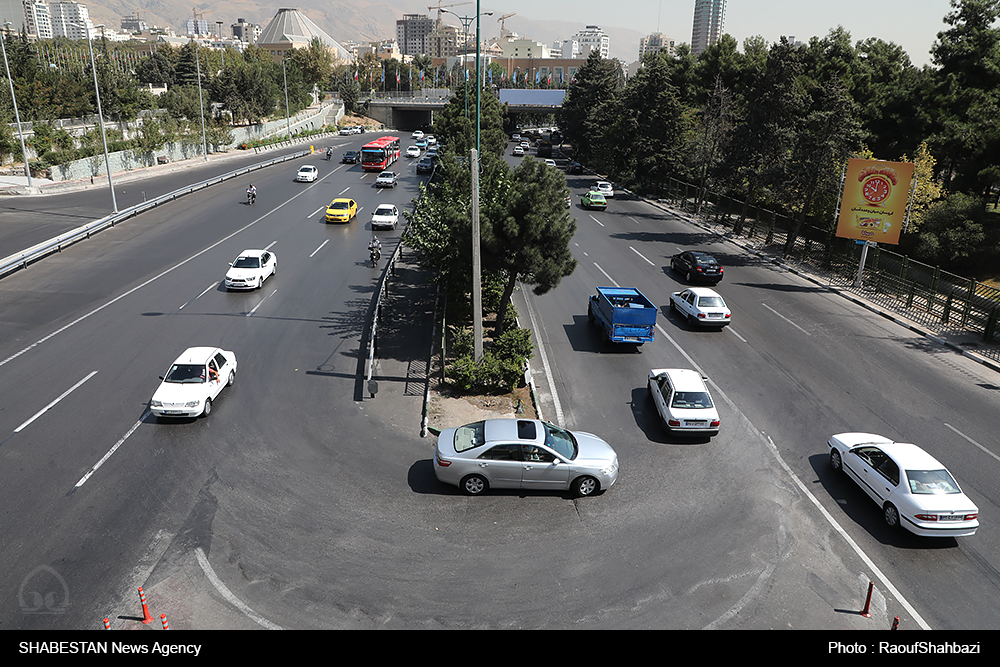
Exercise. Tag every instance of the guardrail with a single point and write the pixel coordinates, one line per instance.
(21, 260)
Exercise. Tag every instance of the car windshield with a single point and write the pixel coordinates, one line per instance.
(711, 302)
(383, 210)
(932, 482)
(386, 174)
(186, 374)
(691, 399)
(339, 204)
(247, 263)
(469, 436)
(561, 441)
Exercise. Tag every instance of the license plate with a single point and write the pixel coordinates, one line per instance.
(715, 315)
(694, 424)
(943, 517)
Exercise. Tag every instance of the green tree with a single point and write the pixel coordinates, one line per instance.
(155, 69)
(594, 84)
(313, 61)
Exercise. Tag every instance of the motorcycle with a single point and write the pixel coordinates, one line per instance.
(251, 198)
(375, 256)
(329, 154)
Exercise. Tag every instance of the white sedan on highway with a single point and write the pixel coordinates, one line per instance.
(913, 489)
(251, 269)
(386, 216)
(307, 174)
(194, 380)
(702, 306)
(683, 401)
(412, 151)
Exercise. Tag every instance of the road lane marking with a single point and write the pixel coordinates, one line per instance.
(53, 403)
(321, 208)
(344, 190)
(641, 255)
(320, 247)
(199, 296)
(786, 319)
(606, 275)
(556, 404)
(254, 310)
(83, 480)
(970, 440)
(597, 221)
(206, 567)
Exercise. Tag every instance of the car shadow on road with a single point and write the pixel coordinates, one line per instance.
(678, 320)
(861, 510)
(421, 479)
(585, 336)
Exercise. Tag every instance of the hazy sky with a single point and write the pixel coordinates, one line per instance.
(912, 24)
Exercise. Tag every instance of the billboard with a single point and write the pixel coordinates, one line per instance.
(531, 97)
(873, 205)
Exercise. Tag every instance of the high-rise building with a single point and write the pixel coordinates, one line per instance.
(412, 32)
(709, 16)
(71, 19)
(592, 38)
(37, 20)
(655, 43)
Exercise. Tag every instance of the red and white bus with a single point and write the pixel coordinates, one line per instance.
(379, 154)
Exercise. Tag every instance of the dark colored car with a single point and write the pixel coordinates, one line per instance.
(425, 165)
(574, 168)
(697, 267)
(350, 157)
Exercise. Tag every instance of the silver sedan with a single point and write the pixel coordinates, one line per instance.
(523, 454)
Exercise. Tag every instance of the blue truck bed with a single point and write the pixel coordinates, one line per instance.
(624, 314)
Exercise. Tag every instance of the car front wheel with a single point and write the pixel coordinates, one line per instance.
(835, 461)
(208, 408)
(585, 486)
(474, 485)
(232, 378)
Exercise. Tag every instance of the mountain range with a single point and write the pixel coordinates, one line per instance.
(344, 20)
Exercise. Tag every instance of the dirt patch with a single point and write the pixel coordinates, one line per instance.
(447, 408)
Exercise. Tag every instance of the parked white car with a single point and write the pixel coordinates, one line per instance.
(251, 269)
(683, 401)
(386, 216)
(702, 306)
(914, 490)
(193, 381)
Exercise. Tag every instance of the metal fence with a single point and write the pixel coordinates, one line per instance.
(922, 293)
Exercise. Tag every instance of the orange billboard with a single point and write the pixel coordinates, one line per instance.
(873, 206)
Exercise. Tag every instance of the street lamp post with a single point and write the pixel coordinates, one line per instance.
(17, 116)
(201, 104)
(100, 115)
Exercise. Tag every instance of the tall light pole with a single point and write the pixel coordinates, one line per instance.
(100, 115)
(201, 104)
(17, 116)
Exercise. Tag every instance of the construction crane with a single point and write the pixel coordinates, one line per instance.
(503, 29)
(440, 7)
(200, 15)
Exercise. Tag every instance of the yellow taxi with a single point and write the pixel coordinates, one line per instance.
(341, 210)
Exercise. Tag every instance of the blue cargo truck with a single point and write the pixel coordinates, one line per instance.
(623, 314)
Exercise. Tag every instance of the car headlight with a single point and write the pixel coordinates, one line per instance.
(610, 469)
(192, 404)
(155, 404)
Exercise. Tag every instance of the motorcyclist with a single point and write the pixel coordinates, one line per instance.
(375, 248)
(329, 152)
(251, 193)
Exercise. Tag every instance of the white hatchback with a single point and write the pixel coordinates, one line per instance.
(193, 381)
(251, 269)
(702, 306)
(683, 401)
(606, 189)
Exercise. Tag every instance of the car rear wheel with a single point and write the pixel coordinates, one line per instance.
(891, 515)
(835, 461)
(474, 485)
(208, 408)
(585, 486)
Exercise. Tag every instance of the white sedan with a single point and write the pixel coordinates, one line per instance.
(683, 402)
(606, 189)
(412, 151)
(194, 380)
(913, 489)
(702, 306)
(307, 174)
(386, 216)
(251, 269)
(417, 134)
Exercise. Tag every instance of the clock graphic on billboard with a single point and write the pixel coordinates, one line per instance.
(876, 183)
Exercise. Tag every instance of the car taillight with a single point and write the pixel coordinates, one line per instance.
(971, 517)
(673, 422)
(444, 463)
(699, 269)
(715, 422)
(926, 517)
(701, 315)
(728, 315)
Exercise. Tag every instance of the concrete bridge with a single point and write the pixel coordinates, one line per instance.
(412, 112)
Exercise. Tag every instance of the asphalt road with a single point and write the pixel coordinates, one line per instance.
(297, 505)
